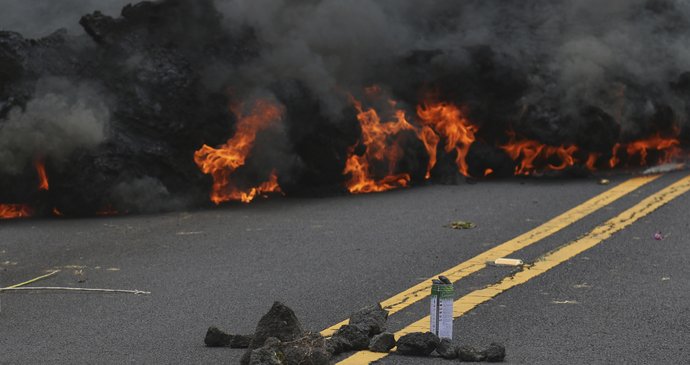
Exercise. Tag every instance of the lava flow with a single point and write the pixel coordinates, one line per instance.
(42, 176)
(445, 122)
(12, 211)
(664, 149)
(223, 161)
(449, 122)
(382, 148)
(531, 155)
(438, 121)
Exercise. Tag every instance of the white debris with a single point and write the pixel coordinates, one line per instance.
(506, 262)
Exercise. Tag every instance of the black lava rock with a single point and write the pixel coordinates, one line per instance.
(280, 322)
(307, 350)
(418, 344)
(356, 336)
(338, 345)
(372, 319)
(382, 342)
(240, 341)
(470, 354)
(495, 353)
(269, 354)
(447, 350)
(217, 338)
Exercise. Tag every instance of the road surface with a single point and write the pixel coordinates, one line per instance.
(620, 297)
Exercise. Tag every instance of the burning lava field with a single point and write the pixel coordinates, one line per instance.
(332, 182)
(175, 104)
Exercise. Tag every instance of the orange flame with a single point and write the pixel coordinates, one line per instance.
(449, 121)
(669, 147)
(42, 176)
(381, 148)
(430, 140)
(533, 155)
(614, 160)
(223, 161)
(592, 161)
(270, 186)
(12, 211)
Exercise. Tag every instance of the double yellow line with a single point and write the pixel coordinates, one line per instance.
(545, 263)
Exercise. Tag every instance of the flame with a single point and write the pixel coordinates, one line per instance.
(532, 155)
(592, 161)
(430, 140)
(666, 149)
(223, 161)
(12, 211)
(669, 148)
(42, 176)
(270, 186)
(381, 148)
(449, 122)
(614, 160)
(488, 172)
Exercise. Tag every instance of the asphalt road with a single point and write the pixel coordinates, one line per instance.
(627, 300)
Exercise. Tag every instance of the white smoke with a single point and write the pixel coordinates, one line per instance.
(59, 119)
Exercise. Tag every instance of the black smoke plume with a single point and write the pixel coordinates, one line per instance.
(117, 104)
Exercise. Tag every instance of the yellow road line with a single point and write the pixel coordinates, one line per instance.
(420, 291)
(544, 264)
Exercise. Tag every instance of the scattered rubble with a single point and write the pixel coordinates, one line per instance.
(658, 236)
(308, 350)
(279, 339)
(383, 342)
(217, 338)
(357, 337)
(495, 353)
(418, 344)
(280, 322)
(266, 355)
(338, 345)
(470, 354)
(372, 319)
(446, 349)
(241, 341)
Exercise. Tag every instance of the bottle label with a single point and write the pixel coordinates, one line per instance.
(441, 310)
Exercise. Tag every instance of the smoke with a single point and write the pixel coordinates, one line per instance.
(144, 195)
(573, 53)
(592, 75)
(38, 18)
(618, 55)
(61, 118)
